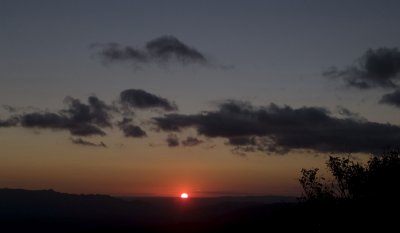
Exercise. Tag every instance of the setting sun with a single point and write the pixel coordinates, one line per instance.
(184, 195)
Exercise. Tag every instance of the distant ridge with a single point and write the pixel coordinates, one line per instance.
(48, 191)
(50, 211)
(35, 203)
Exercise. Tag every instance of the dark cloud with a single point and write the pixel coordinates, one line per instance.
(243, 144)
(392, 99)
(175, 122)
(79, 118)
(45, 120)
(281, 129)
(96, 112)
(58, 122)
(172, 140)
(131, 130)
(86, 130)
(191, 141)
(164, 49)
(82, 142)
(141, 99)
(91, 117)
(376, 68)
(242, 141)
(10, 122)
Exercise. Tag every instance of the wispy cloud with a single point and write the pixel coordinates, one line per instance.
(114, 52)
(80, 141)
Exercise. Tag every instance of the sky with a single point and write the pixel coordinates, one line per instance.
(211, 98)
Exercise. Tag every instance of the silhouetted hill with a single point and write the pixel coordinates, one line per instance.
(50, 211)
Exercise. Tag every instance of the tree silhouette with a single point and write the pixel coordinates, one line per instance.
(379, 178)
(357, 198)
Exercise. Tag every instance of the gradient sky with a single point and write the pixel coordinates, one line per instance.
(259, 52)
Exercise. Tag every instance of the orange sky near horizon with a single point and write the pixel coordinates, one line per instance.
(46, 160)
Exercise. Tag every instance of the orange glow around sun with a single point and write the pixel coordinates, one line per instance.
(184, 195)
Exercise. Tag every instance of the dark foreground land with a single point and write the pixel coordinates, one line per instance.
(50, 211)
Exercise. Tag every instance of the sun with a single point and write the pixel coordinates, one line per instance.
(184, 196)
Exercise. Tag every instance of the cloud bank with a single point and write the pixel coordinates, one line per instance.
(93, 117)
(245, 127)
(281, 129)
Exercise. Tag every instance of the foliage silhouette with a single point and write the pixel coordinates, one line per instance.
(378, 179)
(358, 197)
